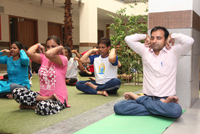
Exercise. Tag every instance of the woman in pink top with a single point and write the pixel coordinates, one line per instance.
(53, 95)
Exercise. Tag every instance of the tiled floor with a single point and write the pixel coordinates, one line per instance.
(188, 123)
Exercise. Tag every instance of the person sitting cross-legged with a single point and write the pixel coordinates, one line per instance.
(17, 68)
(105, 70)
(74, 65)
(160, 59)
(53, 94)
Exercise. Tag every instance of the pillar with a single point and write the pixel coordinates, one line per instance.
(181, 17)
(88, 25)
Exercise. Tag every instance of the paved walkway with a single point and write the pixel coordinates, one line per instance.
(188, 123)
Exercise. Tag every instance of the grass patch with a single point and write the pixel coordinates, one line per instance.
(15, 120)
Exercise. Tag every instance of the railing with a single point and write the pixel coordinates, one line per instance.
(133, 1)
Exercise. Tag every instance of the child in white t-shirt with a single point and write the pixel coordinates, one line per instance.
(74, 65)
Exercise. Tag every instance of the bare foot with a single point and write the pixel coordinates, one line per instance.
(127, 96)
(130, 96)
(104, 93)
(9, 96)
(170, 99)
(42, 98)
(54, 97)
(91, 85)
(67, 81)
(26, 107)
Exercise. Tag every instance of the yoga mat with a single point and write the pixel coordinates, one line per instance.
(118, 124)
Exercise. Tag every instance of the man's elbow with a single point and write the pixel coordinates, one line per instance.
(126, 38)
(81, 59)
(29, 53)
(112, 60)
(192, 41)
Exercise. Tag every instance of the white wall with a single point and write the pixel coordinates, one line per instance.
(139, 9)
(102, 26)
(42, 31)
(43, 15)
(196, 4)
(4, 28)
(75, 35)
(170, 5)
(110, 5)
(18, 9)
(114, 5)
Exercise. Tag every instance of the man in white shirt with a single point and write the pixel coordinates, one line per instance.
(160, 59)
(105, 70)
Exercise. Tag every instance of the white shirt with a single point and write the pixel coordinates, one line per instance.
(104, 70)
(72, 69)
(159, 78)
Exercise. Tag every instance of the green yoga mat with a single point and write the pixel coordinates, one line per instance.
(117, 124)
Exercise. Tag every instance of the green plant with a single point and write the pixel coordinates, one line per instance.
(122, 26)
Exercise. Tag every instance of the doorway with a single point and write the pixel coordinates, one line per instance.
(55, 29)
(100, 34)
(23, 30)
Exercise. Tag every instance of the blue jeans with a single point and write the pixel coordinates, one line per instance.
(146, 105)
(110, 86)
(12, 87)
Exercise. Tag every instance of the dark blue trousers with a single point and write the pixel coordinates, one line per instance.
(110, 86)
(146, 105)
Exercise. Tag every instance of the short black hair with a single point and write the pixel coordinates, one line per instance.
(25, 47)
(55, 38)
(161, 28)
(69, 51)
(105, 41)
(18, 44)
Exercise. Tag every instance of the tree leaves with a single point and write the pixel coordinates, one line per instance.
(122, 26)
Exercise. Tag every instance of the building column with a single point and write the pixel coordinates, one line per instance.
(88, 25)
(183, 18)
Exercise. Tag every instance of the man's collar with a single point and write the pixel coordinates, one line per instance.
(104, 57)
(163, 50)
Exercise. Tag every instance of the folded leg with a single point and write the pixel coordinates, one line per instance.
(130, 107)
(157, 107)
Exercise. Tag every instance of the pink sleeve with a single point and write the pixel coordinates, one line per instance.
(64, 60)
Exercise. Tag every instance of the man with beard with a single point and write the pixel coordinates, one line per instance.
(160, 60)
